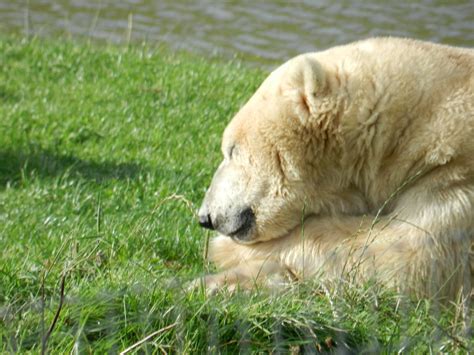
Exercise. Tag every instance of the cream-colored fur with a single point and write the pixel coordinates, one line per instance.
(358, 160)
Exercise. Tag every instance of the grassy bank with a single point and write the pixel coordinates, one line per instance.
(104, 157)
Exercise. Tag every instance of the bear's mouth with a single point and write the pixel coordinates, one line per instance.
(245, 222)
(243, 233)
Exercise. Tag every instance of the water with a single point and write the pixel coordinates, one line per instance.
(263, 32)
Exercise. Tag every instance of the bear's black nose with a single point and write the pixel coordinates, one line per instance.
(205, 221)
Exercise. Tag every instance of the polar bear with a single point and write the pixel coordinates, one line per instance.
(359, 158)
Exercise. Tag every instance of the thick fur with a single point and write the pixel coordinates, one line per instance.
(356, 160)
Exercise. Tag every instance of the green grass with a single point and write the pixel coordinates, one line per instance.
(105, 154)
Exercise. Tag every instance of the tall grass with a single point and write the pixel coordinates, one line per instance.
(104, 157)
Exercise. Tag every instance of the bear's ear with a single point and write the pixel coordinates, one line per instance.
(302, 82)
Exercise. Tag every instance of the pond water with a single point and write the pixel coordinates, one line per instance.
(259, 32)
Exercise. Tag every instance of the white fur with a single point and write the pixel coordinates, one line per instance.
(372, 144)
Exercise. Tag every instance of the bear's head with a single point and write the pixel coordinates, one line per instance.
(280, 156)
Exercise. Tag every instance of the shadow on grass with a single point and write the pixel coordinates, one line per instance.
(17, 165)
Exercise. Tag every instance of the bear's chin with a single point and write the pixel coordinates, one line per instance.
(239, 240)
(252, 237)
(244, 237)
